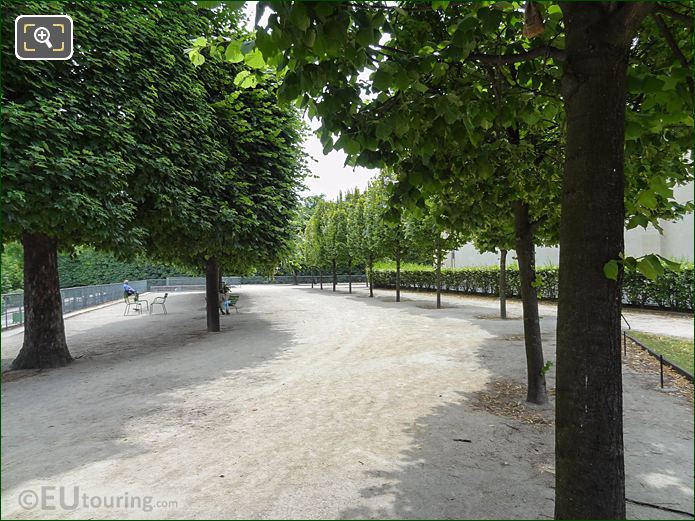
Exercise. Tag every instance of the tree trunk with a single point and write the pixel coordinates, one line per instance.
(212, 294)
(44, 332)
(398, 276)
(350, 276)
(312, 278)
(525, 252)
(439, 277)
(294, 273)
(590, 476)
(370, 276)
(503, 283)
(335, 275)
(321, 278)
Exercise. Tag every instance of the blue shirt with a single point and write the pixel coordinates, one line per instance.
(127, 288)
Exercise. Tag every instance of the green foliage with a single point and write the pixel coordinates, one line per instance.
(546, 367)
(356, 240)
(130, 147)
(315, 240)
(389, 265)
(671, 290)
(12, 267)
(451, 120)
(652, 266)
(335, 232)
(67, 144)
(88, 267)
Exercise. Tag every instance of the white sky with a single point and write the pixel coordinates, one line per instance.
(329, 174)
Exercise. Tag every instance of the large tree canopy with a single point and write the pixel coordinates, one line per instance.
(130, 147)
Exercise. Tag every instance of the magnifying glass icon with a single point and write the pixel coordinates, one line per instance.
(42, 35)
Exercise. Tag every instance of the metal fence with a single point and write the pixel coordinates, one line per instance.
(74, 299)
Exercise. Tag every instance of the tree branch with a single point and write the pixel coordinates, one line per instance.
(663, 28)
(507, 59)
(533, 226)
(401, 51)
(667, 11)
(630, 16)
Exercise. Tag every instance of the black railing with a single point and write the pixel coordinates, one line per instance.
(662, 361)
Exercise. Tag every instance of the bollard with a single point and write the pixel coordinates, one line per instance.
(661, 363)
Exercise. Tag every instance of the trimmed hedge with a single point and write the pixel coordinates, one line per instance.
(673, 291)
(91, 267)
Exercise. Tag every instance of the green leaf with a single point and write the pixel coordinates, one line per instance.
(637, 220)
(611, 269)
(384, 129)
(299, 17)
(381, 80)
(255, 59)
(211, 4)
(546, 367)
(647, 200)
(630, 263)
(364, 36)
(440, 5)
(196, 58)
(670, 265)
(652, 84)
(351, 146)
(633, 130)
(233, 52)
(650, 269)
(249, 82)
(241, 76)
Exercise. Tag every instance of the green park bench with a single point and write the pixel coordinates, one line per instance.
(233, 299)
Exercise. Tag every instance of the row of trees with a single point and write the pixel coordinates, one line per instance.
(474, 105)
(363, 228)
(131, 148)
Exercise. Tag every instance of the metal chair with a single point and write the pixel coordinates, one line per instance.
(132, 301)
(159, 301)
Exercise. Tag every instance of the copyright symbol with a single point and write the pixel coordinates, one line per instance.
(28, 499)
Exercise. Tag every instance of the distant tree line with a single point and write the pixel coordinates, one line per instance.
(87, 266)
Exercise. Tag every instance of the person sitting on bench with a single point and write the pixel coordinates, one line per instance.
(224, 299)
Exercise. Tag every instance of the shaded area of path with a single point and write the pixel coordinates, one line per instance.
(310, 404)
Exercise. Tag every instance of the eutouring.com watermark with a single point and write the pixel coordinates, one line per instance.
(72, 498)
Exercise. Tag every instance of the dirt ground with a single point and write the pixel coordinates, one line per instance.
(310, 404)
